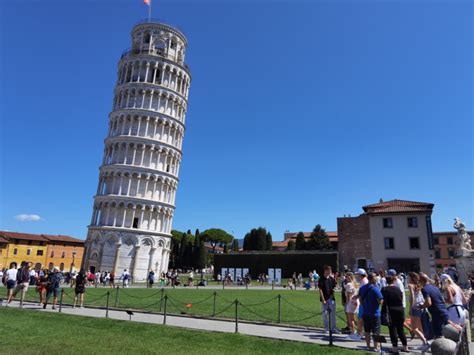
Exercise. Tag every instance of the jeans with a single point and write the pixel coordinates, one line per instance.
(330, 305)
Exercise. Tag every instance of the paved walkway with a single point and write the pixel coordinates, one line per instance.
(259, 330)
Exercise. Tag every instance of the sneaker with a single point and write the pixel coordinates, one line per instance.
(425, 347)
(336, 331)
(354, 337)
(82, 307)
(44, 306)
(54, 307)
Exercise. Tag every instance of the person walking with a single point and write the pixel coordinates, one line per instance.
(151, 278)
(22, 282)
(455, 300)
(371, 299)
(435, 304)
(112, 279)
(361, 277)
(326, 286)
(416, 301)
(393, 308)
(54, 281)
(41, 286)
(352, 304)
(125, 278)
(10, 280)
(80, 288)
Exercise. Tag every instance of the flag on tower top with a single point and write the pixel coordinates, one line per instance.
(147, 2)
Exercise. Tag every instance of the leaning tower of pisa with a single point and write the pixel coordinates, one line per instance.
(135, 200)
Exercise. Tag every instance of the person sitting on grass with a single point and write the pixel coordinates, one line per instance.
(371, 299)
(80, 288)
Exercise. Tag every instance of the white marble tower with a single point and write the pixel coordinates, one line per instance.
(135, 200)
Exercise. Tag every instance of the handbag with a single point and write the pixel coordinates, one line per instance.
(385, 317)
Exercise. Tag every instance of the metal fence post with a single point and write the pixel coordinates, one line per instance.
(107, 305)
(161, 298)
(61, 300)
(279, 308)
(116, 296)
(236, 316)
(164, 314)
(214, 305)
(328, 305)
(223, 284)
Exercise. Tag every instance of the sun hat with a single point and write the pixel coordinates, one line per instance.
(361, 272)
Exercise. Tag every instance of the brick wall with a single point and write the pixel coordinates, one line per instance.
(354, 240)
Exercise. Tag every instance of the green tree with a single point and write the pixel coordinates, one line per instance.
(196, 249)
(202, 263)
(235, 245)
(319, 239)
(256, 239)
(226, 248)
(269, 241)
(215, 236)
(246, 242)
(300, 242)
(291, 245)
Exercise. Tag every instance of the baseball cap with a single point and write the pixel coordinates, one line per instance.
(391, 272)
(361, 272)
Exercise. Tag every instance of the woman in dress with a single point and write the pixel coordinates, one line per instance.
(454, 298)
(352, 303)
(42, 285)
(416, 300)
(80, 288)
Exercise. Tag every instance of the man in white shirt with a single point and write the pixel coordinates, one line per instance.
(125, 278)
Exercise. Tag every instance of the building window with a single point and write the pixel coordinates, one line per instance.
(412, 222)
(30, 242)
(41, 243)
(135, 222)
(52, 254)
(28, 251)
(15, 251)
(436, 241)
(414, 243)
(61, 266)
(451, 252)
(63, 254)
(387, 223)
(437, 254)
(39, 253)
(389, 243)
(450, 240)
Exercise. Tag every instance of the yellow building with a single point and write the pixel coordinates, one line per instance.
(44, 251)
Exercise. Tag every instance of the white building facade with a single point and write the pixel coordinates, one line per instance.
(135, 200)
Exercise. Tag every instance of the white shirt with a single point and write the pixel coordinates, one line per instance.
(399, 284)
(11, 274)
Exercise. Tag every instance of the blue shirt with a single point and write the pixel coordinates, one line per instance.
(370, 296)
(438, 307)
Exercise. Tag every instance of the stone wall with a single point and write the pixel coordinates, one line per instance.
(354, 240)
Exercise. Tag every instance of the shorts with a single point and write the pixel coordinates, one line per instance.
(53, 291)
(11, 284)
(416, 312)
(372, 324)
(23, 286)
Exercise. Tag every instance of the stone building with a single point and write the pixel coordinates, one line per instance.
(287, 236)
(393, 234)
(135, 200)
(43, 250)
(445, 244)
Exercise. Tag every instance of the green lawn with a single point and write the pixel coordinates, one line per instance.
(296, 307)
(32, 332)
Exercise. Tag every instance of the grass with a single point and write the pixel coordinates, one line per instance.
(296, 307)
(32, 332)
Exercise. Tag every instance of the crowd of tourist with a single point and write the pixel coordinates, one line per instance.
(374, 299)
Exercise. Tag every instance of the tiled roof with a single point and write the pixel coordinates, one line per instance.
(62, 238)
(397, 206)
(3, 240)
(290, 235)
(22, 236)
(38, 237)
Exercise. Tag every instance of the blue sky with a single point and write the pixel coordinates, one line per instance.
(299, 112)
